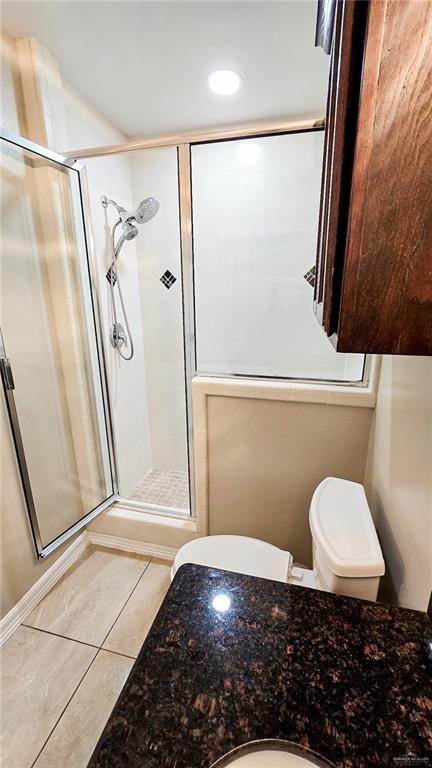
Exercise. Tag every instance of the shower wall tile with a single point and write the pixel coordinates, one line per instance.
(165, 387)
(162, 320)
(154, 172)
(111, 176)
(168, 451)
(129, 383)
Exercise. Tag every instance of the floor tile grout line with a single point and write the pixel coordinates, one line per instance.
(64, 637)
(63, 712)
(125, 604)
(118, 653)
(80, 642)
(98, 651)
(91, 645)
(96, 648)
(65, 708)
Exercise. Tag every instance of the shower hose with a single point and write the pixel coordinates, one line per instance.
(114, 280)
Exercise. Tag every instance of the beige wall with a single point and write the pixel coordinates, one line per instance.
(11, 99)
(399, 478)
(20, 568)
(266, 457)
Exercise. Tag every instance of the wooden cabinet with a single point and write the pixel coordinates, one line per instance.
(373, 290)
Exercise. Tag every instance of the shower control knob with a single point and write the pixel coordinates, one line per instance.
(118, 336)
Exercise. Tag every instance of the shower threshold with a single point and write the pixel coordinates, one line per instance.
(164, 487)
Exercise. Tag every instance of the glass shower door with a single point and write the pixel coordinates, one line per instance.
(50, 358)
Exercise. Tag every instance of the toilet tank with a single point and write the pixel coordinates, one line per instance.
(347, 557)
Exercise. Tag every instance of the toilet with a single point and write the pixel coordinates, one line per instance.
(347, 557)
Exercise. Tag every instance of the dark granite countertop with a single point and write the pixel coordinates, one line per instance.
(344, 677)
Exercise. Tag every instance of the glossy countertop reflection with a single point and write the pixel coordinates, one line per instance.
(232, 659)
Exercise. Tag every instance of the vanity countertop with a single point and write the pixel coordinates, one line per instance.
(344, 677)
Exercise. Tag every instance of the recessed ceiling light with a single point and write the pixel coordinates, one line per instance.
(224, 82)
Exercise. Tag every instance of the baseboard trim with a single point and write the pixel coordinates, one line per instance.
(21, 610)
(42, 586)
(132, 545)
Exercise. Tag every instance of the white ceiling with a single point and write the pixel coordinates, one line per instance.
(144, 64)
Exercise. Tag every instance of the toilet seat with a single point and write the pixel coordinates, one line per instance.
(239, 554)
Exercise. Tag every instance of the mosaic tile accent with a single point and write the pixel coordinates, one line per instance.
(310, 276)
(167, 487)
(111, 275)
(168, 279)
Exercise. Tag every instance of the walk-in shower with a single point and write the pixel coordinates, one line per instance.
(140, 285)
(127, 220)
(214, 285)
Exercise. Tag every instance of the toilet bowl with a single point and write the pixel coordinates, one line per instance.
(347, 557)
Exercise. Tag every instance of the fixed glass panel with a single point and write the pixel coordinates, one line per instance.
(56, 407)
(255, 226)
(148, 388)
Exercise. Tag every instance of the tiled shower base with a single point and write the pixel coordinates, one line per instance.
(167, 487)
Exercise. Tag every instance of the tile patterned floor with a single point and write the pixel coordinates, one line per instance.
(167, 487)
(63, 670)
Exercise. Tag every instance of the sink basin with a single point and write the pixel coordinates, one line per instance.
(270, 753)
(270, 758)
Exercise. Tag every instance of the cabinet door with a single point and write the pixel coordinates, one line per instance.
(341, 122)
(374, 288)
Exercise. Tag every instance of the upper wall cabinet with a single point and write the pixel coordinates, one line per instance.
(373, 291)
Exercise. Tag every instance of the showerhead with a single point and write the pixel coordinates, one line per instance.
(143, 213)
(146, 210)
(129, 229)
(128, 220)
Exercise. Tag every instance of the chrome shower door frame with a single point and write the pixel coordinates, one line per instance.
(186, 262)
(42, 550)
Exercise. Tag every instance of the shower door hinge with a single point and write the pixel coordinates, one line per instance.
(6, 372)
(5, 366)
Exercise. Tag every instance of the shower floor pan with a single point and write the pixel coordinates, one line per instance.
(165, 487)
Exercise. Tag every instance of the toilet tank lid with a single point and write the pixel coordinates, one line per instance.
(343, 530)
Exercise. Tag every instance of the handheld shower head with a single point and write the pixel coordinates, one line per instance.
(129, 229)
(146, 210)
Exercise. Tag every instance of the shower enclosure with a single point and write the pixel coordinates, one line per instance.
(116, 306)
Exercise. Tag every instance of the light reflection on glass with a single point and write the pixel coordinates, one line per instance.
(221, 602)
(249, 151)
